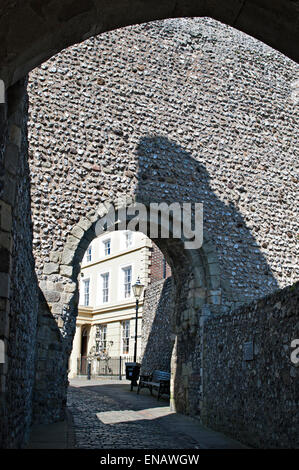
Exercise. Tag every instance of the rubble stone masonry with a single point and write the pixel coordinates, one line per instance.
(157, 329)
(254, 398)
(177, 110)
(173, 111)
(186, 110)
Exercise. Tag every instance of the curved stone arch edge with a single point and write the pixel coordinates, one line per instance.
(205, 293)
(95, 19)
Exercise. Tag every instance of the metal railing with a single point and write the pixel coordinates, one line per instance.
(112, 367)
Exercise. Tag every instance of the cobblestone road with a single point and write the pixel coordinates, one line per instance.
(105, 422)
(107, 415)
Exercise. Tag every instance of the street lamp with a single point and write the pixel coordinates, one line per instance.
(137, 290)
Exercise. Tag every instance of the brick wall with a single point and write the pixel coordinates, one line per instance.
(159, 268)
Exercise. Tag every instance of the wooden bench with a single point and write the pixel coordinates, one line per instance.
(157, 380)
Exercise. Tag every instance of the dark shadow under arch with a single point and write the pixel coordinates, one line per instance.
(33, 31)
(201, 281)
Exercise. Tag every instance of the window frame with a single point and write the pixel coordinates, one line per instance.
(85, 283)
(131, 234)
(89, 254)
(124, 269)
(105, 242)
(103, 275)
(125, 340)
(101, 328)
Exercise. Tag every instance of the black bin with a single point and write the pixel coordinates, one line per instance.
(132, 372)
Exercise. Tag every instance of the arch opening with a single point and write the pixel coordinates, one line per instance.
(48, 31)
(211, 290)
(61, 311)
(192, 300)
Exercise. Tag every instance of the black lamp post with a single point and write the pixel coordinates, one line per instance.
(137, 290)
(132, 368)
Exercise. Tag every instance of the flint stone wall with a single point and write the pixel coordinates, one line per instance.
(175, 111)
(157, 327)
(186, 110)
(18, 282)
(256, 401)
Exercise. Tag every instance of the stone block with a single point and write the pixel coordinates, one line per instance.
(51, 268)
(212, 258)
(214, 269)
(198, 302)
(78, 232)
(67, 256)
(4, 285)
(52, 296)
(55, 256)
(57, 309)
(5, 258)
(5, 216)
(101, 211)
(15, 135)
(84, 224)
(11, 158)
(215, 297)
(215, 281)
(66, 271)
(72, 242)
(6, 240)
(9, 190)
(66, 297)
(208, 247)
(60, 322)
(4, 324)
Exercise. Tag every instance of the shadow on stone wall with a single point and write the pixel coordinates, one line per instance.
(233, 271)
(50, 384)
(254, 398)
(169, 173)
(157, 329)
(18, 281)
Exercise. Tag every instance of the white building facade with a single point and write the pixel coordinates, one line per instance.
(107, 306)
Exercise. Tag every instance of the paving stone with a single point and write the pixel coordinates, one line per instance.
(107, 415)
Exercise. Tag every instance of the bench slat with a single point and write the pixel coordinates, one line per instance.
(159, 379)
(160, 375)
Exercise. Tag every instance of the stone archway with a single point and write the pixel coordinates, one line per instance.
(32, 48)
(195, 298)
(35, 31)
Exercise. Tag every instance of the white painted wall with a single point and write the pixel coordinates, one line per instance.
(118, 308)
(119, 258)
